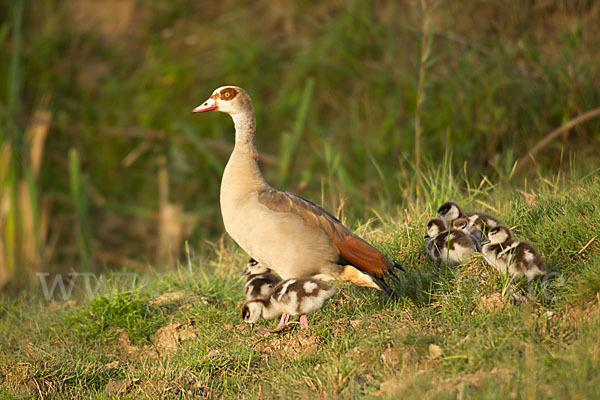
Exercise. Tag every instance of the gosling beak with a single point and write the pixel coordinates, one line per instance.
(244, 272)
(208, 105)
(486, 241)
(426, 236)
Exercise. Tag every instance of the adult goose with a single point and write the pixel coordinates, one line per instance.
(286, 233)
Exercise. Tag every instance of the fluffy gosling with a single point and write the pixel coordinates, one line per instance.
(462, 224)
(259, 281)
(478, 221)
(449, 247)
(518, 258)
(292, 297)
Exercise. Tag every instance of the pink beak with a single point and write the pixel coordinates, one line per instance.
(208, 105)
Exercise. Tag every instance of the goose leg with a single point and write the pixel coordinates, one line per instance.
(284, 320)
(303, 321)
(352, 274)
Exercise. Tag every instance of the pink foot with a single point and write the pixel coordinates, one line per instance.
(304, 321)
(262, 332)
(284, 320)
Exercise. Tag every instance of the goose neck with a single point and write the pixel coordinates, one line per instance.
(245, 133)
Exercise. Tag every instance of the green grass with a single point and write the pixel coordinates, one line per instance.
(449, 336)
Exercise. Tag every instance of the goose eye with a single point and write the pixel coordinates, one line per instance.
(228, 93)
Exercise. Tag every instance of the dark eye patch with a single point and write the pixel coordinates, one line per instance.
(228, 93)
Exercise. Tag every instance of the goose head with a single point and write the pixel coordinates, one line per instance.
(251, 311)
(434, 227)
(499, 234)
(449, 211)
(228, 99)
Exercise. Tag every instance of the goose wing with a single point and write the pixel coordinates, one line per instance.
(352, 249)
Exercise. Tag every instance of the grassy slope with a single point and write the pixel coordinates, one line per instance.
(450, 335)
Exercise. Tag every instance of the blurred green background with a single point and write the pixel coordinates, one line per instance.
(103, 165)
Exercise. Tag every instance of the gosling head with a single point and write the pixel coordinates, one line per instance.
(228, 99)
(434, 228)
(252, 311)
(461, 224)
(253, 267)
(499, 234)
(449, 211)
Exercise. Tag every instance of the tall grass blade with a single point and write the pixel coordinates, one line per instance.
(208, 155)
(289, 143)
(9, 220)
(79, 195)
(34, 208)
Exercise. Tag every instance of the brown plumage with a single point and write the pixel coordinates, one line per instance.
(352, 249)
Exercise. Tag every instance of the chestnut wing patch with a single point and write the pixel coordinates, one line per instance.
(352, 248)
(364, 256)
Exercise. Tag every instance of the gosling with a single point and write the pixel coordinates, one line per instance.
(450, 211)
(518, 258)
(462, 224)
(449, 247)
(259, 281)
(290, 297)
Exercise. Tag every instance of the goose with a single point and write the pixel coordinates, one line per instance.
(462, 224)
(290, 297)
(259, 282)
(288, 234)
(450, 211)
(517, 257)
(448, 246)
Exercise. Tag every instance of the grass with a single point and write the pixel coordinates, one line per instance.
(451, 335)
